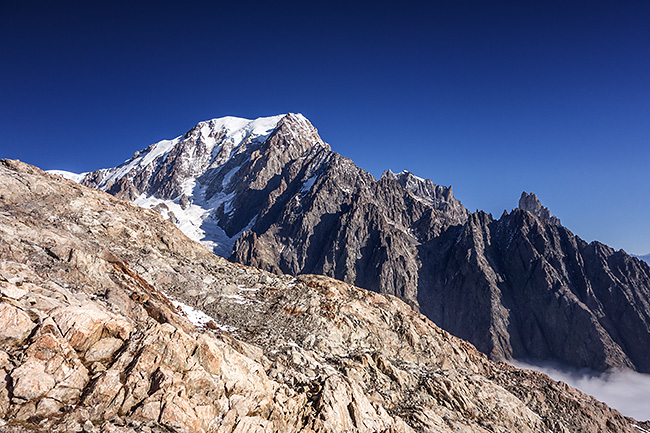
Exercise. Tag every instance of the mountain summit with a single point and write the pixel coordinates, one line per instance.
(210, 180)
(531, 203)
(271, 194)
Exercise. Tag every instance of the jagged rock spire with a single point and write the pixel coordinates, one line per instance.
(531, 203)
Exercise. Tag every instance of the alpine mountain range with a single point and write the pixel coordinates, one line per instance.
(270, 193)
(114, 321)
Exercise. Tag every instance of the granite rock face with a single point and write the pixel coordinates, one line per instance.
(274, 196)
(523, 287)
(354, 228)
(531, 203)
(100, 331)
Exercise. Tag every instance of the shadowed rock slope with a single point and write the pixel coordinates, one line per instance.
(95, 334)
(531, 288)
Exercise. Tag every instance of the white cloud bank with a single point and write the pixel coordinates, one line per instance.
(625, 390)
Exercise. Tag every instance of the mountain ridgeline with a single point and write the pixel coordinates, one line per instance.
(271, 194)
(645, 258)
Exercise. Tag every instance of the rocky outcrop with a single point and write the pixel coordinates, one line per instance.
(438, 196)
(95, 308)
(531, 203)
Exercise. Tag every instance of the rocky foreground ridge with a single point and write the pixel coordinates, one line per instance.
(271, 194)
(95, 335)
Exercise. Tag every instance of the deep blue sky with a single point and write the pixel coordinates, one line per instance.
(492, 97)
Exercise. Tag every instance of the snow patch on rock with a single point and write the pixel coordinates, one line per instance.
(77, 177)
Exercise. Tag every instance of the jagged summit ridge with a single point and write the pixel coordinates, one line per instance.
(226, 176)
(531, 203)
(209, 144)
(645, 258)
(440, 197)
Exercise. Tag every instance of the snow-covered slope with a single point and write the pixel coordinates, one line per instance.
(77, 177)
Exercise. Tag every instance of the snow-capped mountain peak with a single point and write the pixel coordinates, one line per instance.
(237, 129)
(208, 144)
(192, 179)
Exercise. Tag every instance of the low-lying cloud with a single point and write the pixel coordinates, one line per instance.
(625, 390)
